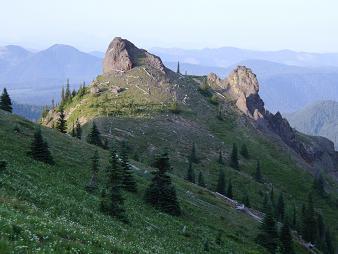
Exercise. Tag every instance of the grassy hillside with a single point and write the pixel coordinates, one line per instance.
(45, 209)
(142, 116)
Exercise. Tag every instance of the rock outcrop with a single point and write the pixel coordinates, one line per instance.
(122, 55)
(242, 87)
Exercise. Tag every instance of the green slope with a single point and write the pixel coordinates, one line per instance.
(45, 209)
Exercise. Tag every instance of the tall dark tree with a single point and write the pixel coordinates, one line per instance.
(39, 149)
(128, 181)
(268, 236)
(229, 190)
(220, 157)
(220, 188)
(61, 124)
(112, 201)
(329, 246)
(320, 230)
(3, 165)
(92, 184)
(318, 184)
(161, 192)
(78, 129)
(68, 94)
(234, 157)
(258, 173)
(193, 156)
(62, 95)
(73, 133)
(285, 239)
(190, 173)
(178, 68)
(94, 136)
(201, 181)
(309, 222)
(5, 101)
(244, 151)
(280, 207)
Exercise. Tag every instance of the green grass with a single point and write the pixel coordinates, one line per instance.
(45, 209)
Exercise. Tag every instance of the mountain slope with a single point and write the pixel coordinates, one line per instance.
(10, 56)
(320, 119)
(45, 208)
(41, 75)
(152, 108)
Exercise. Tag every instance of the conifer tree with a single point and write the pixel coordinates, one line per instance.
(268, 236)
(318, 184)
(92, 185)
(285, 239)
(39, 149)
(265, 202)
(221, 182)
(190, 173)
(62, 95)
(178, 68)
(5, 101)
(258, 173)
(94, 136)
(193, 157)
(206, 246)
(78, 129)
(112, 201)
(229, 191)
(280, 208)
(3, 165)
(201, 181)
(234, 157)
(61, 124)
(320, 229)
(128, 180)
(73, 133)
(329, 246)
(244, 151)
(67, 92)
(161, 192)
(220, 157)
(309, 222)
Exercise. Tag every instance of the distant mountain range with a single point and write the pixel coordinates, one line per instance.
(288, 80)
(319, 119)
(29, 112)
(36, 78)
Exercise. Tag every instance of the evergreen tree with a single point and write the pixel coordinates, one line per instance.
(5, 101)
(268, 236)
(280, 208)
(286, 239)
(92, 185)
(62, 95)
(265, 202)
(113, 202)
(73, 133)
(320, 230)
(190, 173)
(178, 68)
(161, 192)
(258, 174)
(329, 247)
(201, 179)
(74, 93)
(78, 129)
(3, 165)
(309, 222)
(193, 157)
(234, 157)
(61, 124)
(221, 182)
(294, 217)
(94, 136)
(220, 157)
(229, 191)
(206, 246)
(246, 200)
(128, 181)
(67, 92)
(39, 149)
(318, 184)
(244, 151)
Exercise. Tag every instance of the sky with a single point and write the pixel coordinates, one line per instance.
(302, 25)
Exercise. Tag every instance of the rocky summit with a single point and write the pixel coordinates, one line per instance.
(122, 55)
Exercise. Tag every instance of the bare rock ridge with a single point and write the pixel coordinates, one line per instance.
(242, 86)
(122, 55)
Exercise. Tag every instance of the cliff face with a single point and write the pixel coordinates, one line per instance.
(122, 55)
(242, 87)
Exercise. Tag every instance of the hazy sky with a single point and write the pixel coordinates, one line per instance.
(305, 25)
